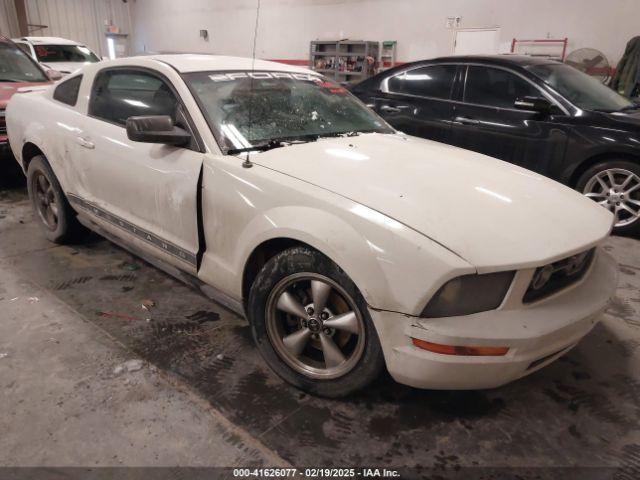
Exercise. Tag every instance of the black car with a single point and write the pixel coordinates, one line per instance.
(537, 113)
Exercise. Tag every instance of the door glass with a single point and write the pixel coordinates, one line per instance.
(120, 94)
(496, 88)
(433, 81)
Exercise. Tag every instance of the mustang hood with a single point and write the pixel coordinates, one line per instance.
(493, 214)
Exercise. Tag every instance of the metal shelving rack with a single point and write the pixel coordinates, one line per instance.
(388, 55)
(344, 60)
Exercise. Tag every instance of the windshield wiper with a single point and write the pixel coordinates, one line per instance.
(271, 144)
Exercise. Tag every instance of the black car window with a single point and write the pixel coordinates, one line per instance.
(67, 91)
(495, 87)
(120, 94)
(433, 81)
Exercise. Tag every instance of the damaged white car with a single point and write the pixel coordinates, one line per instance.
(348, 246)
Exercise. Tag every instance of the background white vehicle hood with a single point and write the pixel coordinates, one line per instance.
(493, 214)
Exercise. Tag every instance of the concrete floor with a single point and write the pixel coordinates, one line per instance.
(204, 396)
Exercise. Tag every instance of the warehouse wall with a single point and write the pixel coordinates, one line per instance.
(81, 20)
(8, 19)
(287, 26)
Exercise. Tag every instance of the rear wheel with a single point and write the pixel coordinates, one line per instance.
(312, 325)
(616, 186)
(52, 210)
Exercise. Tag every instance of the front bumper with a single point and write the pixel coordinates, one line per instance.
(536, 335)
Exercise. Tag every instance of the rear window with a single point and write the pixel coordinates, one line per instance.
(67, 91)
(65, 53)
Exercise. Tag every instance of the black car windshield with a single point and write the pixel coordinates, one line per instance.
(16, 66)
(249, 108)
(65, 53)
(579, 88)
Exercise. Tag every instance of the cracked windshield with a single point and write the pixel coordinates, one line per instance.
(249, 109)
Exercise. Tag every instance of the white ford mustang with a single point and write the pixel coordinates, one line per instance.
(349, 246)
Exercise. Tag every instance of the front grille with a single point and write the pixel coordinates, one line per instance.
(558, 275)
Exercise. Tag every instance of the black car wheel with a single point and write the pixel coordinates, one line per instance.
(54, 214)
(616, 186)
(312, 326)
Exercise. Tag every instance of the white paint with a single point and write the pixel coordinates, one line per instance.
(425, 206)
(477, 41)
(287, 26)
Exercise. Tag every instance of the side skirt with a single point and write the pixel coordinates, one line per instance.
(213, 293)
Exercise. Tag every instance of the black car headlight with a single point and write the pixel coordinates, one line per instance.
(469, 294)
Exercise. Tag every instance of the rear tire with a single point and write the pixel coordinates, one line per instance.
(52, 211)
(615, 184)
(331, 352)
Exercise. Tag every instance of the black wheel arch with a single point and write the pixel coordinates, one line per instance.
(572, 178)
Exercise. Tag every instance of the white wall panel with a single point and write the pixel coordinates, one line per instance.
(287, 26)
(80, 20)
(8, 19)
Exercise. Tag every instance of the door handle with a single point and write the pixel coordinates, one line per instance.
(390, 109)
(466, 121)
(83, 142)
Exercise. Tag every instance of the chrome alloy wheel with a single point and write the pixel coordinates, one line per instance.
(618, 190)
(45, 201)
(315, 326)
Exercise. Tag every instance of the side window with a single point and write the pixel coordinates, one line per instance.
(119, 94)
(67, 91)
(433, 81)
(495, 87)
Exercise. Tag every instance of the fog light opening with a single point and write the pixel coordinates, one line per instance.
(460, 350)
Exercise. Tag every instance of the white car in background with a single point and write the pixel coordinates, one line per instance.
(65, 56)
(348, 246)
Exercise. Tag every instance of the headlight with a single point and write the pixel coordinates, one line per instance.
(469, 294)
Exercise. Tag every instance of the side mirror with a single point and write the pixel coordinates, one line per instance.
(534, 104)
(156, 129)
(54, 75)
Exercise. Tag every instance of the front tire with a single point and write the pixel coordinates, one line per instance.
(312, 325)
(615, 184)
(53, 213)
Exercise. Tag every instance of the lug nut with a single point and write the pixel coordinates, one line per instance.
(310, 311)
(327, 331)
(304, 323)
(324, 315)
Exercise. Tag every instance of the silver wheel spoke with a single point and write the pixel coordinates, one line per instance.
(635, 202)
(347, 322)
(595, 195)
(626, 207)
(296, 342)
(289, 304)
(602, 183)
(626, 182)
(320, 293)
(332, 354)
(612, 180)
(632, 189)
(42, 183)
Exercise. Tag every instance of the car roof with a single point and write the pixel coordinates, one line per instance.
(504, 60)
(47, 41)
(189, 62)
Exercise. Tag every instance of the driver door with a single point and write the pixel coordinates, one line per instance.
(143, 193)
